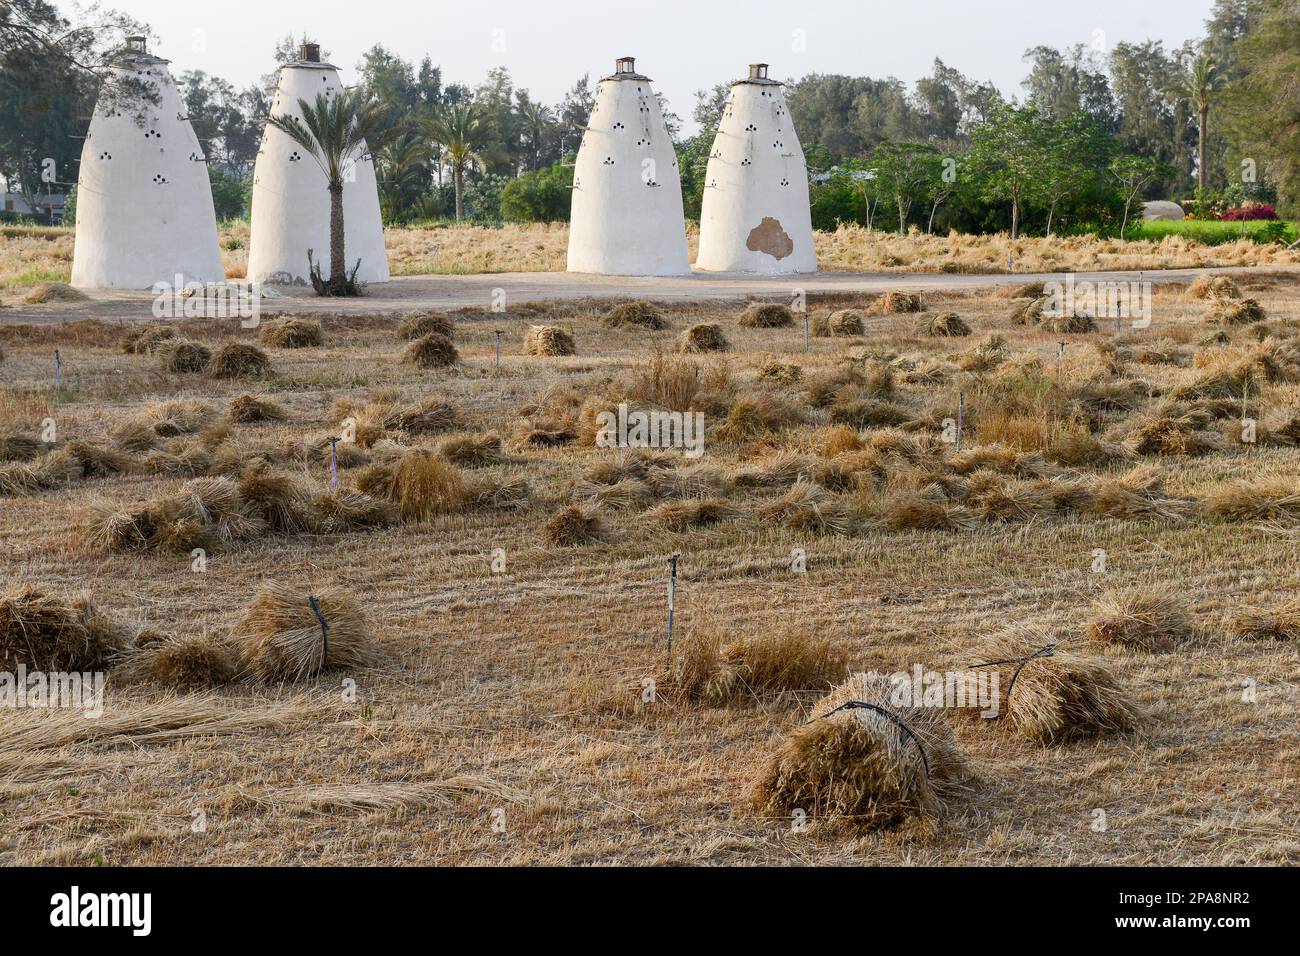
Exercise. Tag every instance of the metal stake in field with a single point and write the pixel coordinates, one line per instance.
(58, 370)
(805, 330)
(672, 603)
(334, 460)
(961, 412)
(497, 333)
(1060, 362)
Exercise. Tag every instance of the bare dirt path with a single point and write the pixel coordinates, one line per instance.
(447, 292)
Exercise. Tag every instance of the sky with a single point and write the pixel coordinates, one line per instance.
(683, 46)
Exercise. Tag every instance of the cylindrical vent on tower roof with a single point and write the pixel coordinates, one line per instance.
(136, 44)
(758, 71)
(625, 64)
(309, 53)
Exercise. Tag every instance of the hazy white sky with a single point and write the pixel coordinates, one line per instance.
(682, 45)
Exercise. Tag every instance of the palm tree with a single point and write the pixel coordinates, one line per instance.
(538, 120)
(403, 167)
(1200, 85)
(462, 131)
(335, 131)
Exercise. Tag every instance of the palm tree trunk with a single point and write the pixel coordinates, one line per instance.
(1204, 118)
(1050, 213)
(459, 177)
(338, 265)
(1015, 218)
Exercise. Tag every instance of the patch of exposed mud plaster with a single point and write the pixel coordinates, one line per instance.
(769, 237)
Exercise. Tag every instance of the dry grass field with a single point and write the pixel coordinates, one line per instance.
(29, 257)
(499, 716)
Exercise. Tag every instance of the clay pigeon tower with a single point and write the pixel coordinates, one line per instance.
(290, 209)
(755, 217)
(627, 214)
(144, 204)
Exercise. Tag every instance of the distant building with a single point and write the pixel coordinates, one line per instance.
(48, 206)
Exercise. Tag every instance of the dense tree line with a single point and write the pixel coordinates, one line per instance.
(1092, 132)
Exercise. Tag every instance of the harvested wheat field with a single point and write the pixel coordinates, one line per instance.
(457, 654)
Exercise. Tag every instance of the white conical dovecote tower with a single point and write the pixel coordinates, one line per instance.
(755, 216)
(290, 209)
(144, 203)
(627, 216)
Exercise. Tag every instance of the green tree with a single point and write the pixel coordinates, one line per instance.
(537, 122)
(1133, 174)
(1200, 85)
(336, 132)
(540, 196)
(902, 173)
(1006, 157)
(1263, 104)
(1075, 150)
(402, 165)
(463, 133)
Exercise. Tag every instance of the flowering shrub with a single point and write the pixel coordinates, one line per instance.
(1246, 213)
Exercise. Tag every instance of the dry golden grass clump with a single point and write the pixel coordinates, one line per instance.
(783, 373)
(753, 416)
(1214, 287)
(342, 511)
(418, 481)
(840, 323)
(575, 525)
(869, 413)
(50, 471)
(147, 339)
(714, 668)
(48, 292)
(809, 507)
(1058, 698)
(1137, 494)
(44, 632)
(239, 360)
(281, 500)
(19, 446)
(97, 462)
(767, 315)
(167, 419)
(929, 509)
(548, 340)
(943, 324)
(416, 325)
(996, 498)
(690, 513)
(1152, 619)
(245, 409)
(869, 767)
(1024, 290)
(1028, 311)
(1166, 432)
(433, 350)
(1235, 312)
(1067, 323)
(280, 637)
(205, 512)
(187, 663)
(895, 302)
(291, 333)
(472, 451)
(1255, 499)
(634, 315)
(181, 356)
(703, 337)
(665, 381)
(1280, 623)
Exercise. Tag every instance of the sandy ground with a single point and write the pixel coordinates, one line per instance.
(448, 292)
